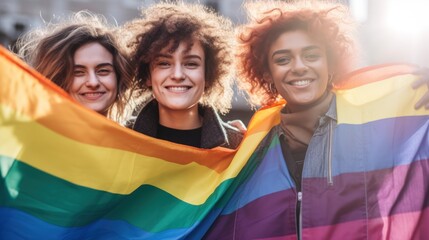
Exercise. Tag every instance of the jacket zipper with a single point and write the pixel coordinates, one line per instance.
(299, 200)
(330, 178)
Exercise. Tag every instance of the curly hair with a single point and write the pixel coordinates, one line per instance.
(330, 22)
(50, 50)
(169, 23)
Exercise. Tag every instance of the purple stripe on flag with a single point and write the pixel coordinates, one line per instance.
(258, 219)
(387, 192)
(400, 226)
(394, 191)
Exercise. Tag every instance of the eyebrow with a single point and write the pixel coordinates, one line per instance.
(193, 56)
(283, 51)
(170, 56)
(98, 66)
(163, 55)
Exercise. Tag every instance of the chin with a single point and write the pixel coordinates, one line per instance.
(179, 105)
(98, 109)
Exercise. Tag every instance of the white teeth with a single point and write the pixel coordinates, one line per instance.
(93, 94)
(178, 88)
(300, 82)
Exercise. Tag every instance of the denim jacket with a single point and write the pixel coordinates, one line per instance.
(359, 181)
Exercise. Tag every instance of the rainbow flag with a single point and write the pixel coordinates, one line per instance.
(375, 185)
(69, 173)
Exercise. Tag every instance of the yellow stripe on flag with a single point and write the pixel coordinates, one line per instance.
(114, 170)
(362, 104)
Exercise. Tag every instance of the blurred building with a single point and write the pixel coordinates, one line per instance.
(17, 16)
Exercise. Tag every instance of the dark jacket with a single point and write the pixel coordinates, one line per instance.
(215, 132)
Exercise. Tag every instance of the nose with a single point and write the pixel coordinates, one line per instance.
(178, 74)
(299, 67)
(92, 80)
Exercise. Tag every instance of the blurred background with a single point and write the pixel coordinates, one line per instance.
(390, 30)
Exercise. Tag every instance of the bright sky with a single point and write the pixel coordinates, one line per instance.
(410, 17)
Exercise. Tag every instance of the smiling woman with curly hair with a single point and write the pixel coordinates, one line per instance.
(182, 54)
(329, 23)
(325, 169)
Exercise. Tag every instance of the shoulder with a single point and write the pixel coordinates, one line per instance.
(145, 119)
(234, 136)
(216, 132)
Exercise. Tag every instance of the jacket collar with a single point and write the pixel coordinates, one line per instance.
(213, 134)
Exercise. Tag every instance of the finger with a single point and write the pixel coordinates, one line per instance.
(423, 77)
(239, 125)
(424, 101)
(419, 82)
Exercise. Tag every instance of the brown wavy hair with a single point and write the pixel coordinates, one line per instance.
(166, 23)
(330, 22)
(50, 51)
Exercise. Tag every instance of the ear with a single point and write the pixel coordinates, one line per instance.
(267, 77)
(149, 83)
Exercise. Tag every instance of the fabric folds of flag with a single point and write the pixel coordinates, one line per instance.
(372, 182)
(69, 173)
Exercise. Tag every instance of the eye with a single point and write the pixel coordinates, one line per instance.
(312, 57)
(78, 73)
(192, 65)
(282, 60)
(162, 63)
(104, 71)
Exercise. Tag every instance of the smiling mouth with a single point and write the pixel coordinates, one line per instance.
(300, 83)
(178, 88)
(92, 95)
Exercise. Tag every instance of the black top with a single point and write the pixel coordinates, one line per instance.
(214, 132)
(295, 164)
(294, 161)
(190, 137)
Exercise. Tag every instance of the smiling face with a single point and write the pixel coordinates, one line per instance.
(298, 68)
(94, 79)
(178, 79)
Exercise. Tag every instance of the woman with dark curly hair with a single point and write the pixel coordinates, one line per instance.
(83, 56)
(183, 55)
(338, 164)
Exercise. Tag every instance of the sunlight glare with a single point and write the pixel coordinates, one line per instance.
(408, 17)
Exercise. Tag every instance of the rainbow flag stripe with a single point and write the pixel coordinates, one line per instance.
(69, 173)
(375, 187)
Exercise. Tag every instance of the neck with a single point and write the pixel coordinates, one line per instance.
(293, 108)
(104, 113)
(183, 119)
(299, 126)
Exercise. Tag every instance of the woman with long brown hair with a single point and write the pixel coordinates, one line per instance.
(82, 55)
